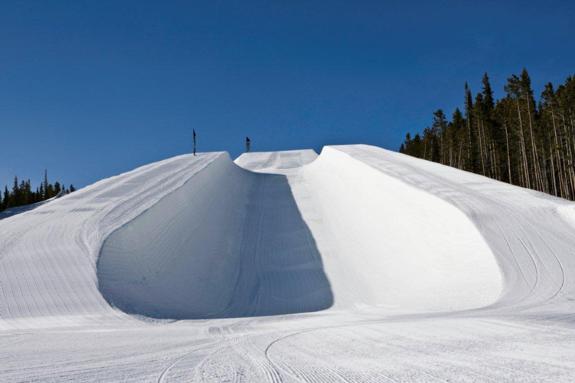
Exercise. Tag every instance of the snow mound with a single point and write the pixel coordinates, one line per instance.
(358, 227)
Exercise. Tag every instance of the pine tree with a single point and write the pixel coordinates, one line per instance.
(471, 148)
(488, 100)
(6, 202)
(439, 131)
(46, 185)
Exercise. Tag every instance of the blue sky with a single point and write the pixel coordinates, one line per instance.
(89, 89)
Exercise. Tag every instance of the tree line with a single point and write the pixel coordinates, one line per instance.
(21, 192)
(514, 139)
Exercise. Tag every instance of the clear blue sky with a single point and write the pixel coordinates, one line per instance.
(92, 88)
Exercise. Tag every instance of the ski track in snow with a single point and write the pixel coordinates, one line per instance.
(357, 265)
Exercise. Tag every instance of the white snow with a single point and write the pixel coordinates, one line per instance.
(21, 209)
(392, 268)
(272, 162)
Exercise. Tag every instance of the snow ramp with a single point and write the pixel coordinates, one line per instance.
(299, 235)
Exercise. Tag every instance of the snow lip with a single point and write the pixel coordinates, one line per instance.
(263, 162)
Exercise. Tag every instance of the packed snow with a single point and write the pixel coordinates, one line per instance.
(357, 265)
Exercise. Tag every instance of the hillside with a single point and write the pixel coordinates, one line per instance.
(392, 268)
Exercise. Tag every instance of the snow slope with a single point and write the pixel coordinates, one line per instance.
(527, 231)
(398, 270)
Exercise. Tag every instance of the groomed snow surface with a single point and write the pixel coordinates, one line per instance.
(357, 265)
